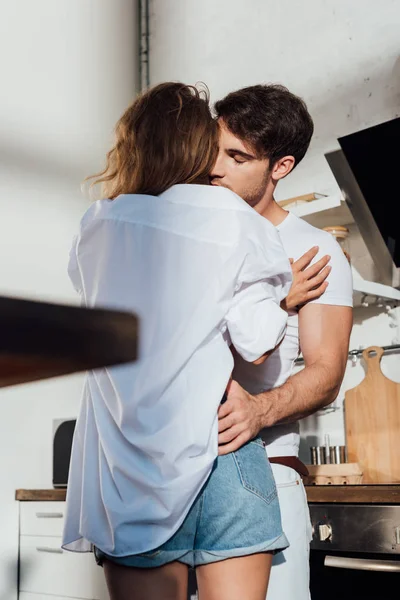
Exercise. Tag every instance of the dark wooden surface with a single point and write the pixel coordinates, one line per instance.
(358, 494)
(347, 494)
(42, 495)
(41, 340)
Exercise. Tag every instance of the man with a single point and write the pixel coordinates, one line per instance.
(264, 133)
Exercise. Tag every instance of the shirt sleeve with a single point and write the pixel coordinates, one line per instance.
(340, 289)
(255, 321)
(73, 269)
(73, 264)
(100, 246)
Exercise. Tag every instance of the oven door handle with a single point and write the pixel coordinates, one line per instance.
(362, 564)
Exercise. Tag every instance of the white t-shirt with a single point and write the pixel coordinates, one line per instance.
(200, 268)
(297, 237)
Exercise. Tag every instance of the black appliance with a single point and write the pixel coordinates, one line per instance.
(355, 551)
(372, 192)
(62, 444)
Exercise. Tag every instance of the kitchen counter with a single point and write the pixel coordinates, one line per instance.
(338, 494)
(40, 495)
(41, 340)
(354, 494)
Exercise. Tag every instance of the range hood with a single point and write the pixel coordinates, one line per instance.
(366, 168)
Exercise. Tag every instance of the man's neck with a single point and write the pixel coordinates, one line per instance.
(273, 212)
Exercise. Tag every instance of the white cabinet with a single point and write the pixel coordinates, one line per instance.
(47, 571)
(41, 518)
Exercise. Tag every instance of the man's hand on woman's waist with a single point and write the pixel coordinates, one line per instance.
(239, 419)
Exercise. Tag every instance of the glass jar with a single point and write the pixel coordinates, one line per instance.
(340, 233)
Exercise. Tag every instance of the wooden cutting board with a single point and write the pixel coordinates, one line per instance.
(372, 421)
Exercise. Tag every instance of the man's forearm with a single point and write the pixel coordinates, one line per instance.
(303, 394)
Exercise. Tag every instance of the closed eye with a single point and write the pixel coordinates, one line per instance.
(239, 156)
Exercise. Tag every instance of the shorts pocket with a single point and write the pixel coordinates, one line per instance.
(255, 471)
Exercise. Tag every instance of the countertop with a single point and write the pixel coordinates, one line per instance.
(338, 494)
(354, 494)
(41, 340)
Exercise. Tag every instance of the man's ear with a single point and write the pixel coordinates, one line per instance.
(282, 167)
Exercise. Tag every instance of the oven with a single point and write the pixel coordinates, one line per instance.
(355, 552)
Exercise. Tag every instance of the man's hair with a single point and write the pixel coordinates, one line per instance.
(167, 136)
(275, 122)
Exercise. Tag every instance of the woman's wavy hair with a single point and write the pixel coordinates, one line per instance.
(167, 136)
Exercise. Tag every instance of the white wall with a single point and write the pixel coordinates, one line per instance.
(68, 70)
(372, 327)
(342, 57)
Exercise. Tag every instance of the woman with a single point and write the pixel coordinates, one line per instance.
(202, 270)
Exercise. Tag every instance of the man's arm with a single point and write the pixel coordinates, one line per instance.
(324, 332)
(309, 283)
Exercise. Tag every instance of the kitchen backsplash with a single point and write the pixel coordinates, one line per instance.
(373, 326)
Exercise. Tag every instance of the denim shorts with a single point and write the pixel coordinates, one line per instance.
(236, 514)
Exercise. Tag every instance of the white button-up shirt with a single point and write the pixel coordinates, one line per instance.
(201, 269)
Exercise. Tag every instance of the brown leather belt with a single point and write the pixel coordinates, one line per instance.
(293, 462)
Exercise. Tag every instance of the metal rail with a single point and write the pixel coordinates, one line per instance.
(358, 352)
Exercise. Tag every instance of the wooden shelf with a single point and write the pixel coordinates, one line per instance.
(309, 204)
(321, 211)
